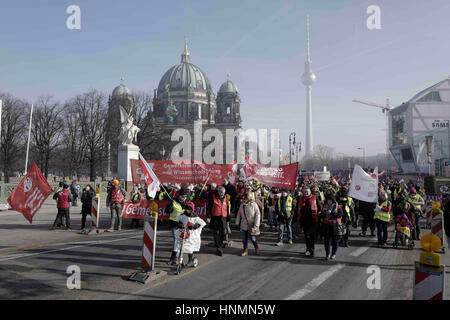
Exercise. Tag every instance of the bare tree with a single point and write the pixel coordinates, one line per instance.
(46, 130)
(13, 133)
(92, 110)
(73, 142)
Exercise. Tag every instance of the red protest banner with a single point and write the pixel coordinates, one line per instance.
(281, 177)
(185, 172)
(30, 194)
(141, 209)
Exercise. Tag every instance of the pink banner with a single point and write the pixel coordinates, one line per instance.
(185, 172)
(141, 209)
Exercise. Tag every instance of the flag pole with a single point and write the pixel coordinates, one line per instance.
(29, 135)
(1, 106)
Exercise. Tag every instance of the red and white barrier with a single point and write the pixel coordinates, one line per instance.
(429, 209)
(429, 282)
(436, 225)
(95, 212)
(148, 251)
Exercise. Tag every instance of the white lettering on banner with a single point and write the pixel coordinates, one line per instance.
(36, 195)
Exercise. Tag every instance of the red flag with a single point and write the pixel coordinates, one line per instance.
(151, 179)
(334, 181)
(30, 194)
(249, 167)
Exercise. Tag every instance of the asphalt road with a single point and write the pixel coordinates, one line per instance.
(34, 262)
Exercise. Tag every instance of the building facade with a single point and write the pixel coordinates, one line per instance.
(426, 114)
(185, 95)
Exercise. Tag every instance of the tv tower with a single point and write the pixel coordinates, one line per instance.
(308, 78)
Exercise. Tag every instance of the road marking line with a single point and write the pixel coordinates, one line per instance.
(24, 255)
(315, 283)
(361, 250)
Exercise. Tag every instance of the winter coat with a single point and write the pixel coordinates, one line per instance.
(192, 241)
(330, 221)
(447, 218)
(86, 199)
(249, 213)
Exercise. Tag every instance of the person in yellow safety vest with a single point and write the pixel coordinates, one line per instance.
(175, 208)
(135, 197)
(417, 202)
(348, 217)
(283, 209)
(382, 217)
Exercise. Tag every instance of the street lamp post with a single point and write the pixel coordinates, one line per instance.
(291, 145)
(109, 160)
(429, 141)
(364, 155)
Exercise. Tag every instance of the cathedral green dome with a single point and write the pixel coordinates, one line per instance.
(184, 76)
(227, 87)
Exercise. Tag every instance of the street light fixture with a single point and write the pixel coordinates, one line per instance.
(291, 145)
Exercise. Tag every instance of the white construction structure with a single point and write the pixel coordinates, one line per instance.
(426, 114)
(308, 78)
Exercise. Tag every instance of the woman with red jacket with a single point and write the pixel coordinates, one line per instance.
(331, 219)
(308, 209)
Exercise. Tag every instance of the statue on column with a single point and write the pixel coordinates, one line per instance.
(128, 131)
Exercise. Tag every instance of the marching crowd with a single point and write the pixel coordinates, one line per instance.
(322, 211)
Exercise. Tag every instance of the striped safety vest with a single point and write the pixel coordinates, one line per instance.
(416, 201)
(288, 203)
(383, 215)
(348, 204)
(176, 212)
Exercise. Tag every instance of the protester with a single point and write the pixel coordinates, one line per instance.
(64, 198)
(308, 210)
(446, 213)
(135, 197)
(417, 202)
(74, 188)
(217, 213)
(273, 198)
(175, 208)
(366, 210)
(283, 210)
(189, 222)
(231, 191)
(382, 218)
(86, 208)
(348, 214)
(115, 199)
(331, 227)
(248, 219)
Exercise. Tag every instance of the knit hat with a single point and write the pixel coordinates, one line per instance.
(190, 205)
(65, 186)
(413, 190)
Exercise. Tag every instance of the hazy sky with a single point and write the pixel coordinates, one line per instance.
(261, 43)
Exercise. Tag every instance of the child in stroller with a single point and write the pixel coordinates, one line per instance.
(403, 230)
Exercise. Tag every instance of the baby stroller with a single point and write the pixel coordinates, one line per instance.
(183, 235)
(403, 231)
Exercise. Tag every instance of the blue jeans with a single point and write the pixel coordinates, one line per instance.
(245, 235)
(332, 241)
(272, 218)
(281, 228)
(173, 229)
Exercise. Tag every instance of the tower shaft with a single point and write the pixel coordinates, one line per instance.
(309, 138)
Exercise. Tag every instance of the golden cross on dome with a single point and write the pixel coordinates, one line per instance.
(185, 46)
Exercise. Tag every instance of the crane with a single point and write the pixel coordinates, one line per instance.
(383, 108)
